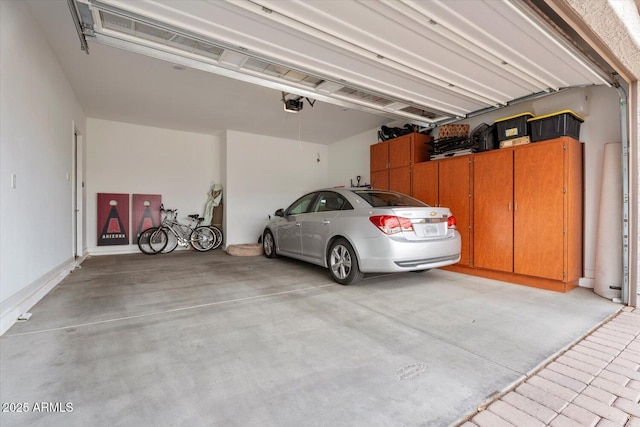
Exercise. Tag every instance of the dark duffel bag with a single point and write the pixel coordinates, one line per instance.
(486, 137)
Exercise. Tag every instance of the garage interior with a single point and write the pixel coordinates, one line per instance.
(274, 341)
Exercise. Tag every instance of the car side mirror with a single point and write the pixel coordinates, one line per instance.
(280, 212)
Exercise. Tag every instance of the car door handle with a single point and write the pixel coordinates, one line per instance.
(297, 224)
(326, 221)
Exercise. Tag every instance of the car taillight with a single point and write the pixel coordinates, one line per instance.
(390, 224)
(451, 222)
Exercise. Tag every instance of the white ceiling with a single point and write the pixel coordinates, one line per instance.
(450, 58)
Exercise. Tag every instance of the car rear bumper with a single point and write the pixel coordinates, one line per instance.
(420, 263)
(385, 255)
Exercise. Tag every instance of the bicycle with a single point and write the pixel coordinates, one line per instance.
(171, 233)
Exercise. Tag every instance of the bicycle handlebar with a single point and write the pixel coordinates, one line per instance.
(162, 209)
(171, 214)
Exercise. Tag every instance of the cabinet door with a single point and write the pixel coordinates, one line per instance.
(421, 150)
(424, 182)
(493, 210)
(380, 179)
(400, 180)
(539, 212)
(379, 156)
(454, 193)
(400, 151)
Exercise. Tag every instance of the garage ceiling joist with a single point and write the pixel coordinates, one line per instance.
(355, 53)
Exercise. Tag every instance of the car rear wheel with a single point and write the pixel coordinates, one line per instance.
(343, 263)
(269, 244)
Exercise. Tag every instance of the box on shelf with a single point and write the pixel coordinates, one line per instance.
(555, 125)
(445, 131)
(513, 126)
(515, 141)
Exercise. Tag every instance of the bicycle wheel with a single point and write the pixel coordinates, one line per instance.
(172, 241)
(218, 234)
(158, 240)
(152, 241)
(202, 239)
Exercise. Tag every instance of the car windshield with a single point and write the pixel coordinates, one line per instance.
(380, 199)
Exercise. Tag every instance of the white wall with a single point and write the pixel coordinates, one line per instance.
(259, 174)
(264, 174)
(350, 158)
(38, 110)
(602, 125)
(134, 159)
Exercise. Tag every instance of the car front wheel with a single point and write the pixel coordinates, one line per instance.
(343, 263)
(269, 244)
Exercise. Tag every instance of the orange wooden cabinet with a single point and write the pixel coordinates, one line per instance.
(454, 192)
(493, 210)
(527, 214)
(391, 161)
(424, 182)
(548, 210)
(379, 156)
(519, 210)
(400, 179)
(447, 182)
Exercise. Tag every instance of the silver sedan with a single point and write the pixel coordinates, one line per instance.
(352, 231)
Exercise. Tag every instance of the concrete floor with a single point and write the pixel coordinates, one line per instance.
(213, 340)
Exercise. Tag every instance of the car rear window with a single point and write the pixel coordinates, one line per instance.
(381, 199)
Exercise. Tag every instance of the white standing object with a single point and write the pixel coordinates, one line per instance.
(608, 271)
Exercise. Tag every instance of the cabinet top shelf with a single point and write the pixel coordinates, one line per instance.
(565, 139)
(412, 135)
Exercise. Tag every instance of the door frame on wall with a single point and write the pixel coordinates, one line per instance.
(77, 194)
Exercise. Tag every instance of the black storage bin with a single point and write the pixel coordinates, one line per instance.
(555, 125)
(513, 126)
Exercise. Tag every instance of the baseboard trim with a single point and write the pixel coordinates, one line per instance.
(119, 250)
(22, 301)
(114, 250)
(518, 279)
(587, 282)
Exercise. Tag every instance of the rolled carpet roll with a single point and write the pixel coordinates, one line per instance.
(608, 270)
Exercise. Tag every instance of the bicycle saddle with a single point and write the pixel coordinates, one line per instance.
(194, 216)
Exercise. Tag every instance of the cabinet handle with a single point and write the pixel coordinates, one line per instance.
(509, 206)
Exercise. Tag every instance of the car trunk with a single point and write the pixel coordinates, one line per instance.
(426, 224)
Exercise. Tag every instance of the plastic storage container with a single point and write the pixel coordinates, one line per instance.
(513, 126)
(554, 125)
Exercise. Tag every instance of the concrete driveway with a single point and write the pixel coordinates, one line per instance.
(207, 339)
